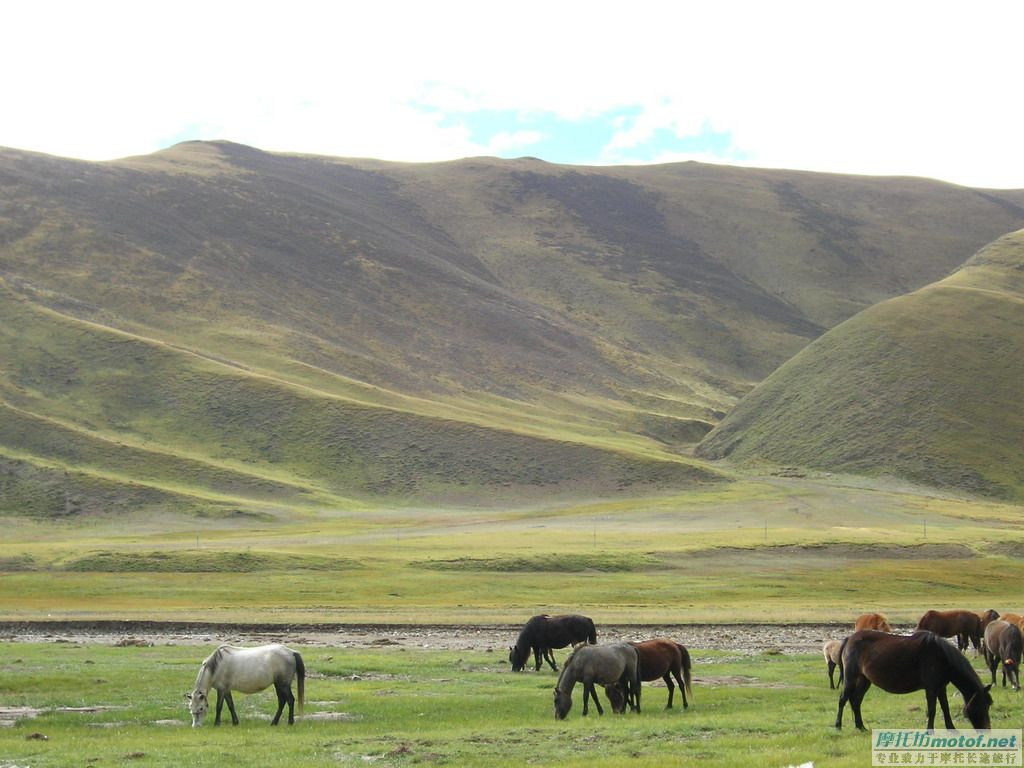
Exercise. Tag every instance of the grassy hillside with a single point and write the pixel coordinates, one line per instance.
(216, 328)
(94, 419)
(927, 386)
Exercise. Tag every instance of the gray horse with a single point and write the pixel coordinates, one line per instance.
(248, 670)
(1003, 643)
(598, 665)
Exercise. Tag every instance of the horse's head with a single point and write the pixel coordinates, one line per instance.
(563, 703)
(616, 698)
(976, 709)
(198, 703)
(517, 659)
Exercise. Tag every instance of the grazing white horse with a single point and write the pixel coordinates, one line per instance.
(247, 670)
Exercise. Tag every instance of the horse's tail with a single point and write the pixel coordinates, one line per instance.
(592, 635)
(300, 673)
(839, 664)
(686, 668)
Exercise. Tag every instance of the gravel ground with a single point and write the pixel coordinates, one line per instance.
(743, 639)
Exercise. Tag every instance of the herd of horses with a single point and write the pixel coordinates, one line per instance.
(872, 655)
(924, 660)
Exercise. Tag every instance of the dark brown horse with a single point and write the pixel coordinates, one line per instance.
(899, 664)
(872, 621)
(543, 633)
(660, 658)
(966, 626)
(1003, 643)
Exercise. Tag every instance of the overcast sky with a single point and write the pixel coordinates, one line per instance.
(930, 89)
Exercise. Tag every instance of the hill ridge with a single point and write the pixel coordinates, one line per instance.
(398, 331)
(926, 386)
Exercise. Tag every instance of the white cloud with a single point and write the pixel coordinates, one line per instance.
(512, 141)
(924, 88)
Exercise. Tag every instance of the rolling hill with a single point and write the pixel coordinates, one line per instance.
(926, 386)
(216, 329)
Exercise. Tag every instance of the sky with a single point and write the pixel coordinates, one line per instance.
(898, 87)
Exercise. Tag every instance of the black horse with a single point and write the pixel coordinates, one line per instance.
(543, 633)
(899, 664)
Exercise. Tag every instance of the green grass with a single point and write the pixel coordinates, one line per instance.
(202, 562)
(411, 707)
(813, 549)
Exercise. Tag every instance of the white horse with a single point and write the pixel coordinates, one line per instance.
(247, 670)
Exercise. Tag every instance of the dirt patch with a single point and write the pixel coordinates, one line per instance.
(10, 715)
(736, 681)
(345, 717)
(742, 639)
(1007, 549)
(848, 551)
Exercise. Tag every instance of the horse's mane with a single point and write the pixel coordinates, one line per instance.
(566, 666)
(530, 630)
(213, 661)
(962, 674)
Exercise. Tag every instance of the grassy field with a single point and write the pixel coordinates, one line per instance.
(761, 550)
(765, 549)
(106, 706)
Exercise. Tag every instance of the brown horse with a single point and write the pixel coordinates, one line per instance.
(832, 651)
(658, 658)
(899, 664)
(1014, 618)
(1003, 643)
(872, 621)
(966, 626)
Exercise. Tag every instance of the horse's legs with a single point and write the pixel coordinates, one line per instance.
(682, 688)
(549, 657)
(929, 697)
(537, 651)
(590, 691)
(221, 698)
(831, 669)
(671, 689)
(839, 714)
(284, 696)
(944, 703)
(854, 688)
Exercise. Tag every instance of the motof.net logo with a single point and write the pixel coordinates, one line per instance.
(920, 747)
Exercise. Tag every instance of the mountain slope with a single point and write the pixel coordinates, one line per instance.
(213, 326)
(927, 386)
